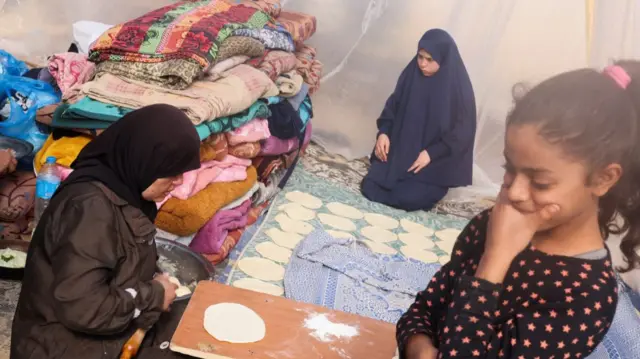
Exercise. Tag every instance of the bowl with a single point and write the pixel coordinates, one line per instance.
(13, 273)
(181, 262)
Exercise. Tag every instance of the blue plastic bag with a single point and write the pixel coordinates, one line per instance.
(9, 65)
(20, 99)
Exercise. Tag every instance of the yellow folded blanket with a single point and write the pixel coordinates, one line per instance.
(186, 217)
(65, 150)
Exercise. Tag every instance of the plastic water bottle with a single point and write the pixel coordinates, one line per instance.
(46, 185)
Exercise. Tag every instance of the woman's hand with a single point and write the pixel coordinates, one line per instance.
(8, 162)
(420, 346)
(169, 290)
(423, 161)
(382, 147)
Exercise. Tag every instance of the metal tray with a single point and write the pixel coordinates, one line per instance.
(20, 148)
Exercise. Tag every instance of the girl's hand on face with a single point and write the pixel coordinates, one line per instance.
(382, 147)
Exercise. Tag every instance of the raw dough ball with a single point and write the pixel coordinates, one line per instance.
(297, 212)
(339, 234)
(284, 239)
(257, 285)
(273, 252)
(261, 268)
(342, 210)
(290, 225)
(381, 221)
(378, 234)
(380, 247)
(336, 222)
(416, 240)
(413, 227)
(419, 254)
(304, 199)
(234, 323)
(182, 290)
(444, 260)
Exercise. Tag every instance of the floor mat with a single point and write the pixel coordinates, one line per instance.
(309, 202)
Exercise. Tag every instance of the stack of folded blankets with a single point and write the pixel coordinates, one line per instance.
(241, 72)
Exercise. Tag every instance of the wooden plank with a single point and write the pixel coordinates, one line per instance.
(286, 336)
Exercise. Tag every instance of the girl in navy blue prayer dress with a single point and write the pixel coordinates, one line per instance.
(532, 277)
(426, 130)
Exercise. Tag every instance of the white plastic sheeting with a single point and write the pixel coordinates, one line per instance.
(364, 44)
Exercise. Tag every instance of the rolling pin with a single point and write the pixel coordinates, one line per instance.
(131, 347)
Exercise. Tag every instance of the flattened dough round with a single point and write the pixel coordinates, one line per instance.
(419, 254)
(261, 268)
(448, 235)
(343, 210)
(274, 252)
(381, 221)
(444, 260)
(290, 225)
(257, 285)
(378, 234)
(284, 239)
(380, 247)
(297, 212)
(413, 227)
(234, 323)
(336, 222)
(339, 234)
(416, 240)
(304, 199)
(182, 290)
(446, 246)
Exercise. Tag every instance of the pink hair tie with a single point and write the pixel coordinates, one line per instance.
(619, 75)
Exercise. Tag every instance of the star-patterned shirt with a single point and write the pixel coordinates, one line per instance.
(548, 307)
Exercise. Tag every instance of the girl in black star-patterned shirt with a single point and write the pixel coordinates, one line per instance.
(532, 278)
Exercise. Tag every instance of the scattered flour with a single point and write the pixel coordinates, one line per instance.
(323, 329)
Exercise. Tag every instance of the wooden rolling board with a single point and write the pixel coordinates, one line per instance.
(286, 336)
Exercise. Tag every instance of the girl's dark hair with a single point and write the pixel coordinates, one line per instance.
(597, 121)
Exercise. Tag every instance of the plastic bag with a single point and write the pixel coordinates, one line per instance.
(20, 99)
(9, 65)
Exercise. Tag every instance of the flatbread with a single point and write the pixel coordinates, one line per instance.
(416, 240)
(377, 234)
(274, 252)
(339, 234)
(297, 212)
(336, 222)
(290, 225)
(413, 227)
(234, 323)
(448, 238)
(304, 199)
(257, 285)
(379, 247)
(284, 239)
(381, 221)
(444, 260)
(261, 268)
(419, 254)
(343, 210)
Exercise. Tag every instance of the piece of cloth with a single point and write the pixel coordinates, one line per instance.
(258, 109)
(90, 251)
(175, 74)
(407, 195)
(309, 67)
(238, 202)
(547, 305)
(214, 148)
(17, 195)
(271, 7)
(86, 32)
(247, 150)
(70, 69)
(289, 84)
(297, 100)
(254, 130)
(217, 71)
(148, 144)
(186, 217)
(285, 122)
(65, 150)
(434, 113)
(272, 39)
(191, 30)
(277, 62)
(203, 101)
(273, 146)
(210, 238)
(301, 26)
(345, 275)
(240, 45)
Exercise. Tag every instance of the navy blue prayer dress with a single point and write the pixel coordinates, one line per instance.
(436, 114)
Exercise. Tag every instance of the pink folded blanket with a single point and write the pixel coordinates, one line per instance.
(70, 69)
(252, 131)
(273, 146)
(210, 238)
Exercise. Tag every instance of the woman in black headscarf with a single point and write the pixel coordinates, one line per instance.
(426, 130)
(90, 279)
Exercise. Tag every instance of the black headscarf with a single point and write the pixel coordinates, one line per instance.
(153, 142)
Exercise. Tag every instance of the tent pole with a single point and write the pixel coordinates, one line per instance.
(590, 8)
